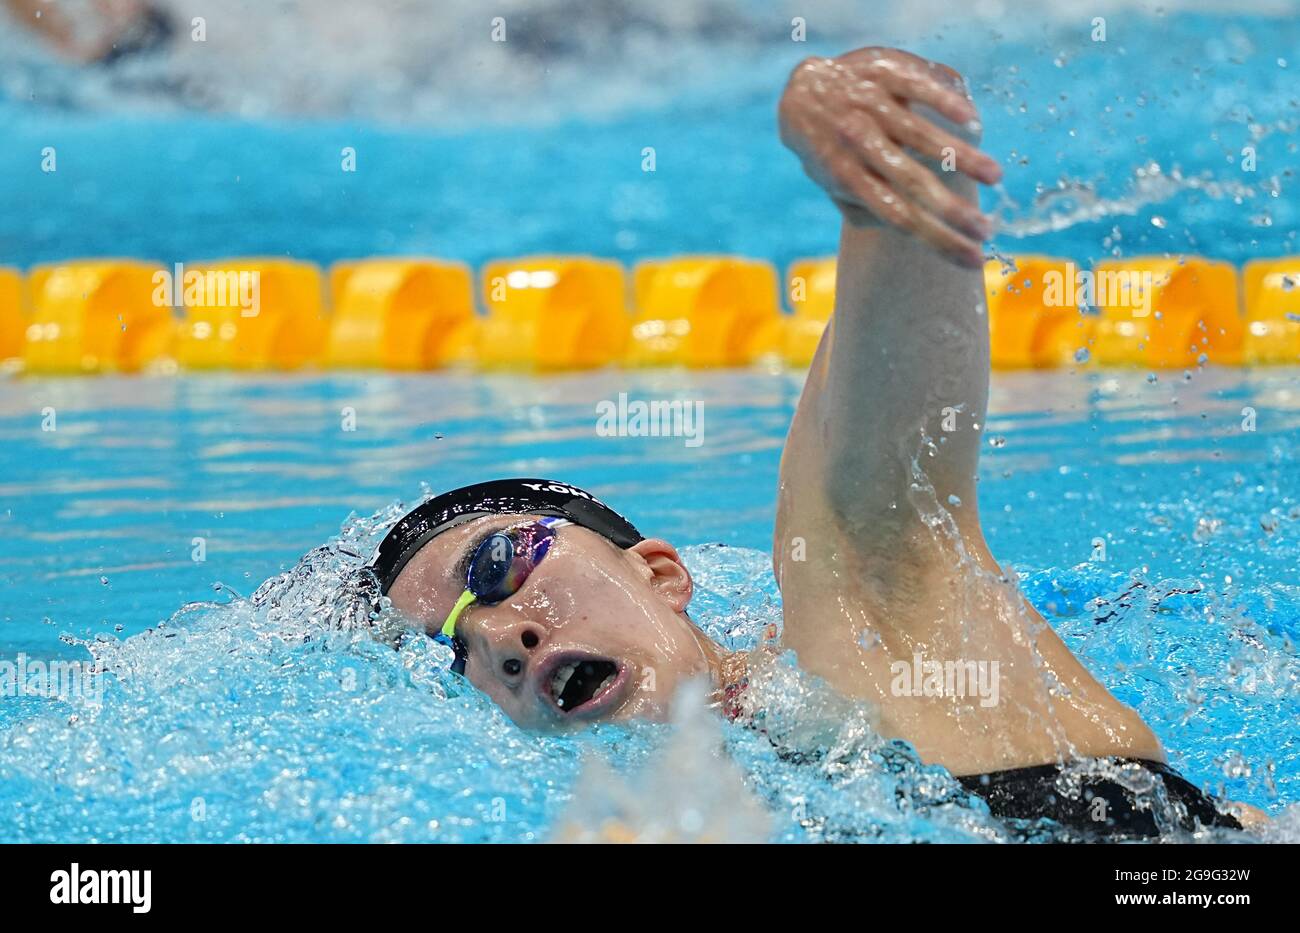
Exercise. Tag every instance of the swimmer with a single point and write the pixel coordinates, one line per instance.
(561, 611)
(123, 28)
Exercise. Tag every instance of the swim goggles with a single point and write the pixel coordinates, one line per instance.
(495, 572)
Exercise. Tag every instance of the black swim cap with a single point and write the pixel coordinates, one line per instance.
(496, 497)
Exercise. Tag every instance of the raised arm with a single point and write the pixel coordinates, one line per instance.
(110, 18)
(878, 549)
(897, 393)
(45, 18)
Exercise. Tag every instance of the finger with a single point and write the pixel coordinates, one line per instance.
(863, 195)
(919, 84)
(858, 189)
(922, 136)
(958, 248)
(875, 55)
(913, 179)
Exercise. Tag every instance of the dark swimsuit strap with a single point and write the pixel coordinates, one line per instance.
(1032, 794)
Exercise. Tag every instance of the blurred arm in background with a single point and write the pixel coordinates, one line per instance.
(119, 28)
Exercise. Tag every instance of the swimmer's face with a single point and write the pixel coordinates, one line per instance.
(594, 632)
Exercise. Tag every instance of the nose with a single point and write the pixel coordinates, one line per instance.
(510, 642)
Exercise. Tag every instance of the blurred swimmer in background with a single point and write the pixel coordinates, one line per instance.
(103, 33)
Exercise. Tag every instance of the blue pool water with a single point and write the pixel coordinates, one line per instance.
(1077, 124)
(281, 730)
(255, 718)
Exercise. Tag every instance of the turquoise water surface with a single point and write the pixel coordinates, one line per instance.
(282, 730)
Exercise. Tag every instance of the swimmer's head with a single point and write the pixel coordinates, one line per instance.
(571, 615)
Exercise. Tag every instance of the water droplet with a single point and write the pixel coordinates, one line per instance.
(954, 501)
(1158, 221)
(1207, 528)
(1082, 355)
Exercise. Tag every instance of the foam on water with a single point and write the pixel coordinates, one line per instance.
(1072, 202)
(404, 61)
(283, 716)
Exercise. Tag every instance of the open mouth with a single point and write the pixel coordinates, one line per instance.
(576, 684)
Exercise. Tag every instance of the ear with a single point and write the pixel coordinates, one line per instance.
(666, 573)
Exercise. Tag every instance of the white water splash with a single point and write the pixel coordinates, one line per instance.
(691, 792)
(408, 61)
(1072, 202)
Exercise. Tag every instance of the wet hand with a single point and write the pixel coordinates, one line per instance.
(854, 122)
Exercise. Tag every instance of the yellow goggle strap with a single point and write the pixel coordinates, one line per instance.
(449, 627)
